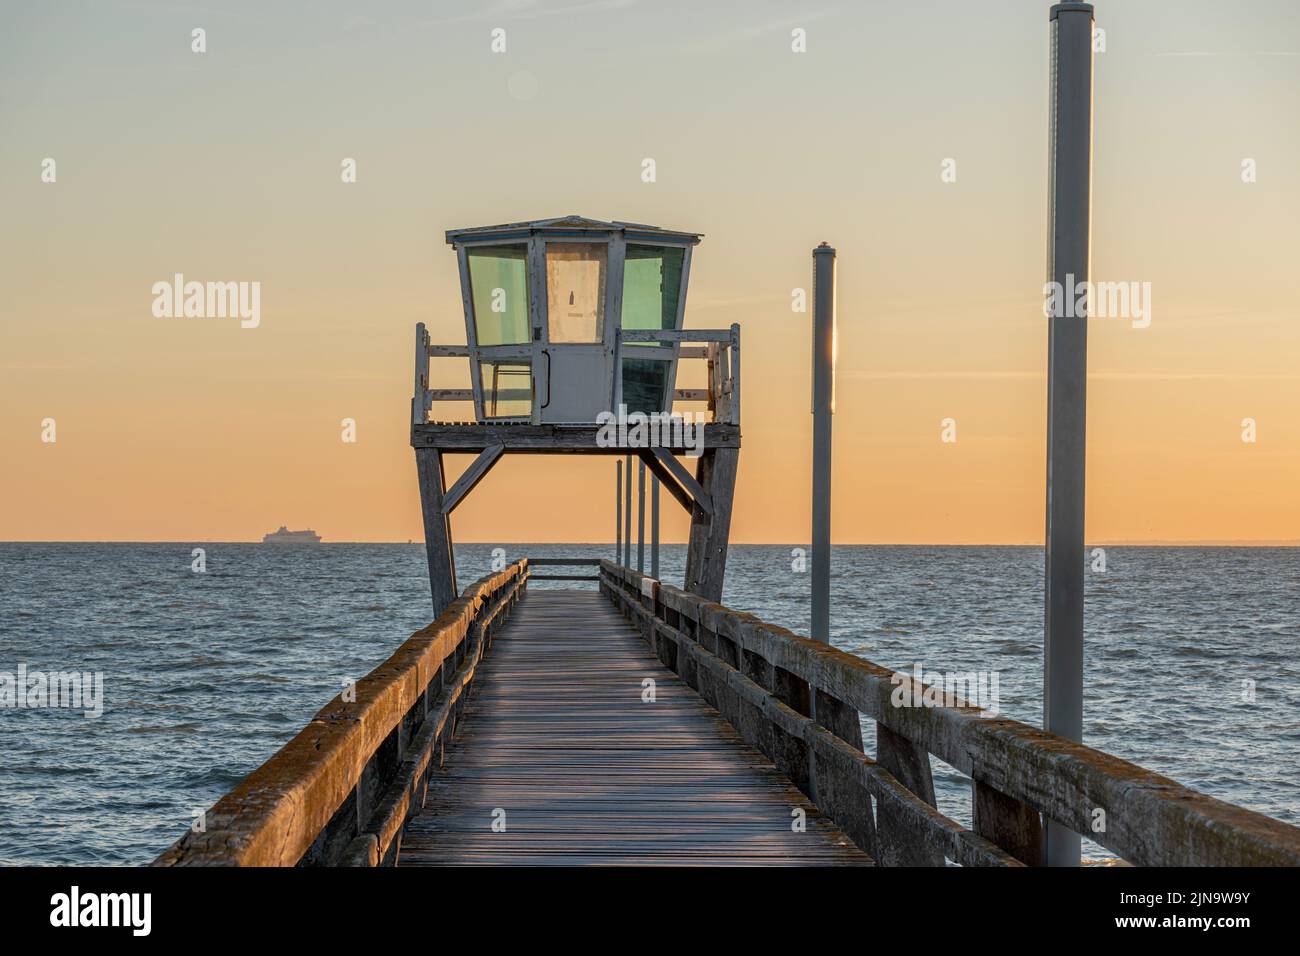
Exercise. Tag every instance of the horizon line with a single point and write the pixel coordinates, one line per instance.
(1154, 542)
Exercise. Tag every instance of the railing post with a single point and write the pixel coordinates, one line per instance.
(654, 527)
(420, 398)
(627, 515)
(640, 516)
(1012, 825)
(909, 762)
(735, 373)
(1069, 255)
(618, 513)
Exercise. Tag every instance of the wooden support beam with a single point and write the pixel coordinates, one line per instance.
(675, 468)
(475, 473)
(706, 555)
(666, 478)
(437, 529)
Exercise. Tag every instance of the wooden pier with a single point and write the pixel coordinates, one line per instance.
(532, 705)
(562, 741)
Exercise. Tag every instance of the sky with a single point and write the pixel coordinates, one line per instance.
(226, 166)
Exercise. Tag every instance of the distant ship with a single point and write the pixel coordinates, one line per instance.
(285, 536)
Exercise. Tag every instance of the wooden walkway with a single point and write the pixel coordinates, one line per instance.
(556, 736)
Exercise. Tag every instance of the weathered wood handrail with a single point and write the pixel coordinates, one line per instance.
(798, 701)
(564, 563)
(340, 792)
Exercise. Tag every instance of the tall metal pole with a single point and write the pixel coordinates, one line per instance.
(823, 406)
(627, 515)
(1069, 261)
(654, 527)
(618, 514)
(640, 517)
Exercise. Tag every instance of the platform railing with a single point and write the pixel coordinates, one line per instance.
(800, 701)
(718, 348)
(573, 562)
(341, 791)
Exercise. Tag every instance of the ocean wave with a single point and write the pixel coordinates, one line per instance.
(172, 729)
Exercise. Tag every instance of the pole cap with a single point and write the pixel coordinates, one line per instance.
(1069, 8)
(824, 250)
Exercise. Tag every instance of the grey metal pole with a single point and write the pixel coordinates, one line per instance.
(654, 527)
(1069, 261)
(823, 406)
(640, 517)
(618, 513)
(627, 516)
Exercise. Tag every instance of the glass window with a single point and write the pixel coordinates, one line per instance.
(575, 290)
(498, 278)
(652, 281)
(507, 389)
(644, 383)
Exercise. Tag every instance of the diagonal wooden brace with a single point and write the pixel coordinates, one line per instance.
(475, 473)
(681, 484)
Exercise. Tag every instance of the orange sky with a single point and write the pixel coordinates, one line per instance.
(225, 166)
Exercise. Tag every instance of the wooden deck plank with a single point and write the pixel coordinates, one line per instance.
(556, 734)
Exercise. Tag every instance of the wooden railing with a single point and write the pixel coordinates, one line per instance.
(341, 791)
(720, 351)
(799, 702)
(592, 563)
(719, 348)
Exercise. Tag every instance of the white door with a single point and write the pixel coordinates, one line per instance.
(572, 368)
(572, 382)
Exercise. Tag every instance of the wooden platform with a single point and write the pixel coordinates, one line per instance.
(557, 736)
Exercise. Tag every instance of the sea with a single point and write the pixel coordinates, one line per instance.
(210, 662)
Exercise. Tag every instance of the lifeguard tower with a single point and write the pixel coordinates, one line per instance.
(570, 322)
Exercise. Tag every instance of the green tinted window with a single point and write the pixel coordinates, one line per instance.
(644, 382)
(499, 285)
(652, 280)
(507, 389)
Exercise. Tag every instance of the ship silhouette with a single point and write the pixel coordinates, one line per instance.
(284, 536)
